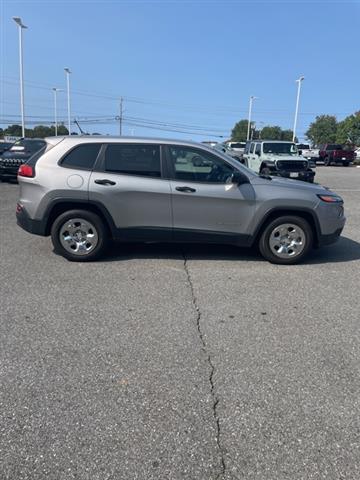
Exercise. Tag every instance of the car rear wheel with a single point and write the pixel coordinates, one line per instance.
(286, 240)
(327, 161)
(79, 236)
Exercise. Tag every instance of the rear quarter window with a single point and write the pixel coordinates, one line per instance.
(82, 157)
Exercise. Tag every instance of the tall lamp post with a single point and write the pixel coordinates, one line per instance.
(299, 80)
(67, 72)
(55, 90)
(252, 98)
(21, 26)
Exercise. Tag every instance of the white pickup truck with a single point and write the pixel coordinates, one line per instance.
(311, 154)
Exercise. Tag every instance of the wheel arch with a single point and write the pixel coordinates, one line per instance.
(60, 206)
(306, 214)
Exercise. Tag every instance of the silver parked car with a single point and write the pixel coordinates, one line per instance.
(84, 191)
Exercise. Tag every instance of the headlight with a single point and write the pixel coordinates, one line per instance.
(331, 198)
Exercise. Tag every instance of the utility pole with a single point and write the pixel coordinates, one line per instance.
(55, 90)
(120, 116)
(67, 73)
(299, 80)
(252, 98)
(21, 26)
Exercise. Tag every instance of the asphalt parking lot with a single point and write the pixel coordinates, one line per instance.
(167, 362)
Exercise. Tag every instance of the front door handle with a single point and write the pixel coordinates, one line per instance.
(104, 181)
(185, 189)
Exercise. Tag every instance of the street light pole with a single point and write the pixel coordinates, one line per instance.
(21, 26)
(299, 80)
(55, 90)
(67, 72)
(252, 98)
(120, 116)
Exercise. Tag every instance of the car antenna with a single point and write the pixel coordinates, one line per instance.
(78, 125)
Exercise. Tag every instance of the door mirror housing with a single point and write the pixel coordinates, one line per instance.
(239, 178)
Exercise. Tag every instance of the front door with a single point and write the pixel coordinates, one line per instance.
(206, 203)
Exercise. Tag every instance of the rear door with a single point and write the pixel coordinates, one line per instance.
(128, 181)
(206, 204)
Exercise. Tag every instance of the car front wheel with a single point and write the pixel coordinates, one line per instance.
(79, 236)
(286, 240)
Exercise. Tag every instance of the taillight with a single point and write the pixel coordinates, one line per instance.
(26, 171)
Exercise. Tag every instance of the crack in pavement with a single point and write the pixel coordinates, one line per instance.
(212, 371)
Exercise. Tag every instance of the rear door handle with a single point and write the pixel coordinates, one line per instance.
(104, 181)
(185, 189)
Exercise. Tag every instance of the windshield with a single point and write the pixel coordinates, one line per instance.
(237, 145)
(280, 148)
(303, 147)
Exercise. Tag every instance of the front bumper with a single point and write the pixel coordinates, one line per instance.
(304, 175)
(329, 239)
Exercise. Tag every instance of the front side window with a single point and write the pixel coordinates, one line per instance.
(252, 148)
(258, 149)
(142, 160)
(193, 165)
(82, 157)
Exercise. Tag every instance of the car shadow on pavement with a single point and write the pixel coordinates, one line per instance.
(125, 251)
(345, 250)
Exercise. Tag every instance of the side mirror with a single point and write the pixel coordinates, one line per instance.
(239, 178)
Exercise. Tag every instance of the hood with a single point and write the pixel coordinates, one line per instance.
(275, 157)
(289, 183)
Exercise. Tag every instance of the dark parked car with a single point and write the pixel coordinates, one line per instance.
(4, 146)
(335, 153)
(19, 153)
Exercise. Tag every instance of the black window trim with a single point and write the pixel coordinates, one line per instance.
(100, 163)
(171, 170)
(60, 162)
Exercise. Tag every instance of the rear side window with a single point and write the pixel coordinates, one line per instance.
(142, 160)
(82, 157)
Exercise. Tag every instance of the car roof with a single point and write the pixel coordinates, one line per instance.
(272, 141)
(79, 139)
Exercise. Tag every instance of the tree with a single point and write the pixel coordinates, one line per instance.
(13, 130)
(323, 130)
(348, 130)
(271, 132)
(40, 131)
(288, 135)
(239, 132)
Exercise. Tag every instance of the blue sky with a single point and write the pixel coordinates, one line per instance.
(190, 63)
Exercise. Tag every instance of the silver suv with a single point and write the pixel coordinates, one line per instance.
(85, 191)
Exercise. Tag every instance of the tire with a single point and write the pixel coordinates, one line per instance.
(277, 235)
(346, 164)
(265, 171)
(327, 161)
(87, 239)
